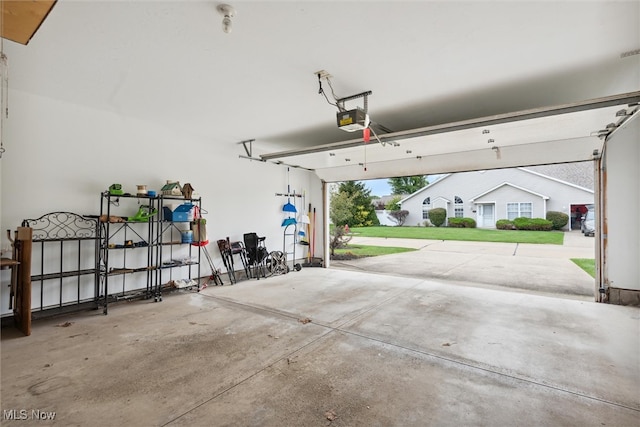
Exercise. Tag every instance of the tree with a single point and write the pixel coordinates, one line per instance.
(407, 184)
(340, 214)
(363, 213)
(399, 216)
(341, 208)
(393, 204)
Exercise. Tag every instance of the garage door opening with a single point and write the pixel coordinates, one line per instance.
(489, 254)
(604, 131)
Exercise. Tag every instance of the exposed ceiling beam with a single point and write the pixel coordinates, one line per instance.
(21, 19)
(625, 98)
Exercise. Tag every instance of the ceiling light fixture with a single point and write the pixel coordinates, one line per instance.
(227, 12)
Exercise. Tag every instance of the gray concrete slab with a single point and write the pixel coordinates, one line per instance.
(378, 350)
(542, 269)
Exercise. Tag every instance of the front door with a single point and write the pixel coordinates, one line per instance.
(485, 216)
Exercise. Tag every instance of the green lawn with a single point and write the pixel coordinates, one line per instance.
(587, 264)
(363, 250)
(468, 234)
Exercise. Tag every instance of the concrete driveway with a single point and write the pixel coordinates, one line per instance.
(542, 269)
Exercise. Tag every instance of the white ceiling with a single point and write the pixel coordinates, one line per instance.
(426, 62)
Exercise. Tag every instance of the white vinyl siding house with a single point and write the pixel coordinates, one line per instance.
(488, 196)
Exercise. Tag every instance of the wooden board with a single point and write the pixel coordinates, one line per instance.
(22, 308)
(22, 18)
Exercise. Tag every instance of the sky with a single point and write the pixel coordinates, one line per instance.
(381, 187)
(378, 187)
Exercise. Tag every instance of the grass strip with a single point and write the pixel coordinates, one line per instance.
(587, 264)
(365, 250)
(462, 234)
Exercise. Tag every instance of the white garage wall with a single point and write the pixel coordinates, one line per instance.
(622, 208)
(61, 156)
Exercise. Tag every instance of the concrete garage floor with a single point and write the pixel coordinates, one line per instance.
(380, 350)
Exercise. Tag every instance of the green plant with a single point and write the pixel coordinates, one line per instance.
(462, 222)
(341, 208)
(365, 250)
(558, 219)
(362, 210)
(399, 216)
(437, 216)
(505, 224)
(393, 204)
(535, 224)
(339, 238)
(407, 184)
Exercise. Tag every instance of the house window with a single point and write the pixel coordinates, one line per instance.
(426, 206)
(458, 207)
(516, 210)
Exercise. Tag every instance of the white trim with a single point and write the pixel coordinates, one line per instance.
(506, 205)
(441, 198)
(415, 193)
(510, 185)
(478, 213)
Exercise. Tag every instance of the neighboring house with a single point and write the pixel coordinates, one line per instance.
(488, 196)
(384, 216)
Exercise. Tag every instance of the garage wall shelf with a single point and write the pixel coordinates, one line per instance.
(128, 246)
(177, 258)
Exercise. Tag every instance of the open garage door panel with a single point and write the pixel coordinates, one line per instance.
(560, 134)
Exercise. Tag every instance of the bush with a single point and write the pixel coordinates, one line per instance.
(399, 216)
(462, 222)
(558, 219)
(339, 238)
(534, 224)
(505, 224)
(437, 216)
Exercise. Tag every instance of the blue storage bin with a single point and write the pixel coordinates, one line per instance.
(180, 214)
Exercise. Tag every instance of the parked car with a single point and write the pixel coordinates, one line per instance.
(589, 223)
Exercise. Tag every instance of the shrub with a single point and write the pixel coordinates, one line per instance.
(399, 216)
(437, 216)
(535, 224)
(558, 219)
(339, 238)
(505, 224)
(462, 222)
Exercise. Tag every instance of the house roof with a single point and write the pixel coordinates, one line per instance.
(431, 184)
(510, 185)
(559, 171)
(569, 170)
